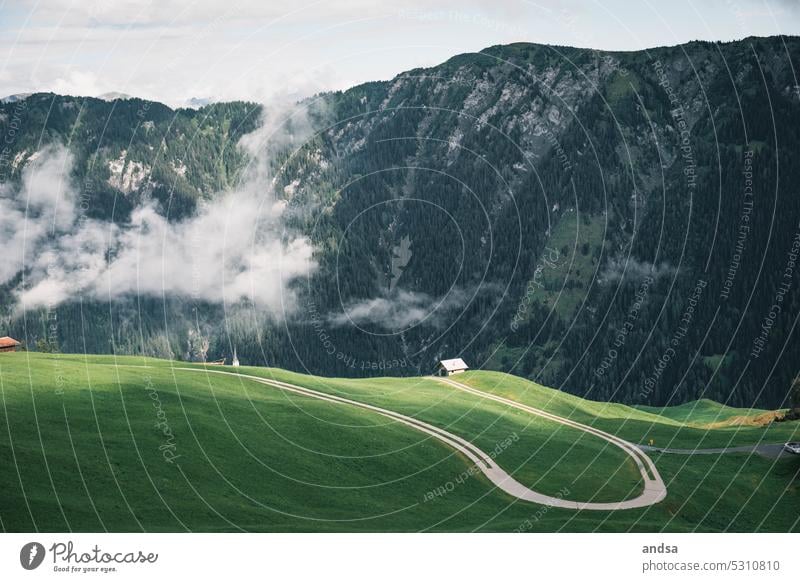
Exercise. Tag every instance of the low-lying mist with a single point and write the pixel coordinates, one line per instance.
(234, 249)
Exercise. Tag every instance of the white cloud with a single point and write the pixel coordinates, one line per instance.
(43, 207)
(401, 309)
(632, 269)
(233, 249)
(77, 82)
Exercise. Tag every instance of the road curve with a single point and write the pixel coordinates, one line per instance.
(654, 491)
(654, 488)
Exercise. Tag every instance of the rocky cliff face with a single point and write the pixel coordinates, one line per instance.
(620, 225)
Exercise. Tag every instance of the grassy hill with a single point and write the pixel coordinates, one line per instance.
(131, 444)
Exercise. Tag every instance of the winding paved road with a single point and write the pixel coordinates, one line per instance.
(654, 490)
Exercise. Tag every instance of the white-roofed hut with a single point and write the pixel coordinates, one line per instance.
(450, 367)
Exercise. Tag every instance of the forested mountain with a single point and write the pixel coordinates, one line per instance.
(623, 226)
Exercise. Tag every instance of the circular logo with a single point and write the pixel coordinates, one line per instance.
(31, 555)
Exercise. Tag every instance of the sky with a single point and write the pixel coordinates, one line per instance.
(176, 50)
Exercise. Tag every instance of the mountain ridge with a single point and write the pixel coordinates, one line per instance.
(577, 164)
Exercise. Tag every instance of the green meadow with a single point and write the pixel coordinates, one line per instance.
(102, 443)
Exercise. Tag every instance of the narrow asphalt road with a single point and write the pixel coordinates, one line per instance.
(654, 490)
(772, 451)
